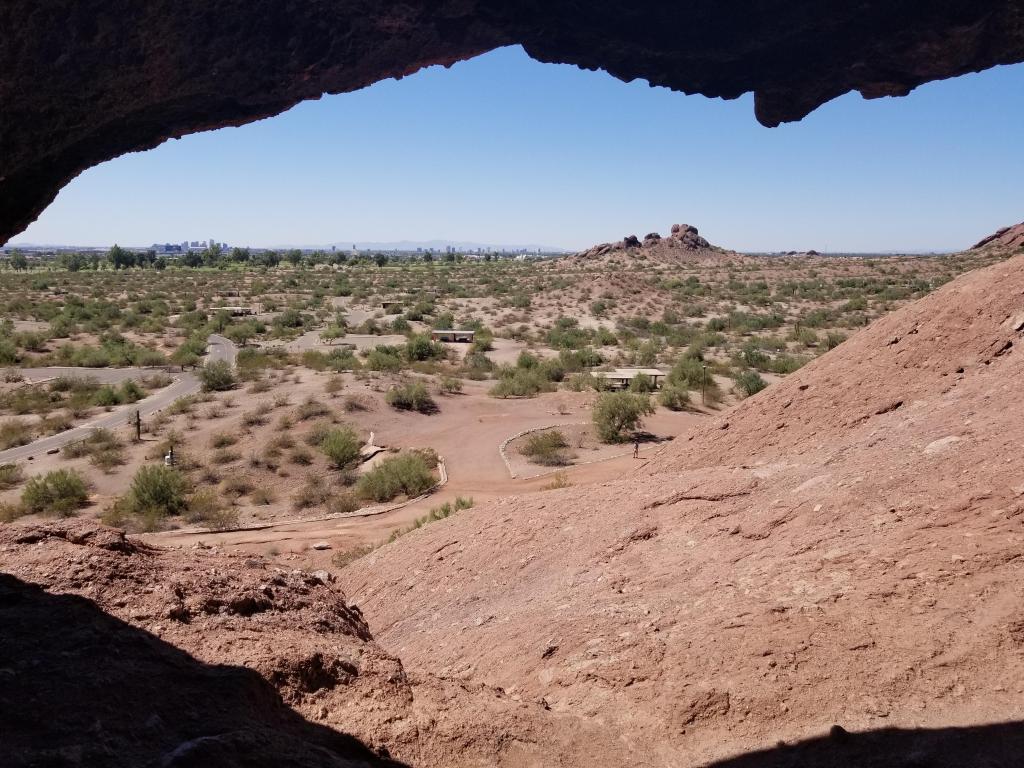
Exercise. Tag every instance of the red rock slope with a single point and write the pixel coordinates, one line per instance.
(844, 549)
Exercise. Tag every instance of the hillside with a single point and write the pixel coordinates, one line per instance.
(1005, 239)
(843, 549)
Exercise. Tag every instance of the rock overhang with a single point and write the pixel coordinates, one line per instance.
(83, 81)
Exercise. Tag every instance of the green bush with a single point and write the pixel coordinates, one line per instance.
(750, 383)
(158, 490)
(10, 476)
(546, 448)
(341, 446)
(14, 433)
(674, 398)
(616, 413)
(420, 347)
(217, 376)
(641, 384)
(411, 396)
(59, 492)
(407, 473)
(520, 382)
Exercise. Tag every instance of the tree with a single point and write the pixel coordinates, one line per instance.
(294, 257)
(217, 376)
(71, 261)
(18, 261)
(212, 255)
(381, 259)
(119, 258)
(617, 413)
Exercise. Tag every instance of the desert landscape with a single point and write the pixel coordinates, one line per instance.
(400, 466)
(820, 457)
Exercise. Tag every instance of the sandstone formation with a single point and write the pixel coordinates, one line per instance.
(683, 242)
(1005, 238)
(82, 81)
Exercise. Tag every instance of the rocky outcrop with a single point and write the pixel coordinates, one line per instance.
(1007, 238)
(683, 242)
(82, 81)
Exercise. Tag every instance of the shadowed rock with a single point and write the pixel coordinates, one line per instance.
(82, 81)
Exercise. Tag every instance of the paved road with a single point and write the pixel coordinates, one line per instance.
(184, 384)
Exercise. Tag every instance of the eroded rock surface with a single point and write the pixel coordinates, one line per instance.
(82, 81)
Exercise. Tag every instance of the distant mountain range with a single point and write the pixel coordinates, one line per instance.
(441, 245)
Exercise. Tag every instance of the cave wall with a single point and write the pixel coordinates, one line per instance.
(83, 81)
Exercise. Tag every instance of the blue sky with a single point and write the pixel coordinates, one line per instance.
(503, 149)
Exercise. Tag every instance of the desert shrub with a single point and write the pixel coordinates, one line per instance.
(223, 440)
(406, 474)
(238, 486)
(107, 457)
(349, 556)
(254, 419)
(301, 456)
(262, 496)
(616, 413)
(519, 382)
(106, 397)
(450, 385)
(641, 384)
(384, 358)
(157, 490)
(446, 510)
(420, 347)
(341, 446)
(225, 456)
(546, 448)
(834, 339)
(14, 433)
(130, 392)
(343, 503)
(205, 508)
(334, 385)
(750, 383)
(312, 494)
(558, 480)
(59, 492)
(674, 398)
(11, 512)
(311, 409)
(10, 476)
(217, 376)
(411, 396)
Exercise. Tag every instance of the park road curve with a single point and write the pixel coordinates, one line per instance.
(184, 384)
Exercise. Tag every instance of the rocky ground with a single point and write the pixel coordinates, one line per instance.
(827, 574)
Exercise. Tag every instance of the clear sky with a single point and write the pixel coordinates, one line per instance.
(503, 149)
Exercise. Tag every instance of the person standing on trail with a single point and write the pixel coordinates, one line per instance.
(636, 447)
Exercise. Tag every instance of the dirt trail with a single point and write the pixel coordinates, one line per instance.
(468, 436)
